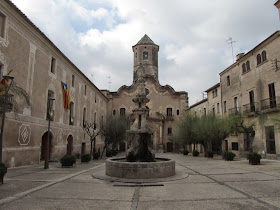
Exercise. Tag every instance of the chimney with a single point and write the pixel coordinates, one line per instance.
(240, 55)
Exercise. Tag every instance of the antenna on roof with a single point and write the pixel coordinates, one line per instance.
(109, 82)
(229, 41)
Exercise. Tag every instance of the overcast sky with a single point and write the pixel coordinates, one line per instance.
(98, 35)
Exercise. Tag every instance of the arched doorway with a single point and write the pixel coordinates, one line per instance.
(44, 145)
(69, 145)
(169, 147)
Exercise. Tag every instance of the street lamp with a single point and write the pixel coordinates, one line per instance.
(50, 116)
(7, 88)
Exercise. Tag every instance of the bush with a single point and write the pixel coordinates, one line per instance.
(108, 154)
(195, 153)
(210, 154)
(254, 158)
(228, 156)
(114, 152)
(185, 152)
(85, 158)
(68, 160)
(96, 155)
(3, 171)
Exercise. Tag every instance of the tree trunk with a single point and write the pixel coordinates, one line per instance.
(105, 146)
(91, 149)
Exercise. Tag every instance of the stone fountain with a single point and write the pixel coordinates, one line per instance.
(140, 161)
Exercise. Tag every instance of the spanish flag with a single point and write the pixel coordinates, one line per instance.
(4, 83)
(66, 95)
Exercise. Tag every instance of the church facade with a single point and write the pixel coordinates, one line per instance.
(166, 105)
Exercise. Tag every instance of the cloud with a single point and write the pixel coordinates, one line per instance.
(191, 34)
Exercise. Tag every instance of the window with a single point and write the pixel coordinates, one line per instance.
(85, 90)
(122, 111)
(73, 80)
(84, 117)
(270, 140)
(169, 131)
(71, 118)
(218, 107)
(228, 81)
(204, 111)
(114, 112)
(213, 111)
(169, 112)
(145, 55)
(53, 65)
(225, 106)
(95, 98)
(235, 104)
(102, 121)
(248, 65)
(243, 68)
(215, 93)
(2, 25)
(272, 96)
(234, 146)
(259, 59)
(178, 112)
(252, 101)
(94, 120)
(264, 56)
(136, 55)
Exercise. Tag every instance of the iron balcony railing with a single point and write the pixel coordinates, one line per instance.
(270, 103)
(169, 117)
(9, 104)
(234, 111)
(250, 108)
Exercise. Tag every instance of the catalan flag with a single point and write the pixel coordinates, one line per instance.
(4, 83)
(66, 95)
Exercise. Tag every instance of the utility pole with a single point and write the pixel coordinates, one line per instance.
(230, 41)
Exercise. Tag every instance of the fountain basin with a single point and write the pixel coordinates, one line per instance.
(120, 168)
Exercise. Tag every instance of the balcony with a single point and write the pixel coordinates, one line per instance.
(9, 104)
(270, 104)
(251, 109)
(169, 118)
(234, 111)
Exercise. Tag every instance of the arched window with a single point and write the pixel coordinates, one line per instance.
(263, 56)
(94, 120)
(71, 115)
(122, 112)
(145, 55)
(259, 59)
(248, 65)
(243, 68)
(114, 112)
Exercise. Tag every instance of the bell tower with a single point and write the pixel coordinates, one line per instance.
(145, 59)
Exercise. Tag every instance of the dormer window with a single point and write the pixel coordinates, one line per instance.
(145, 55)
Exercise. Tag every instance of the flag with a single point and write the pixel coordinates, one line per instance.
(4, 83)
(66, 95)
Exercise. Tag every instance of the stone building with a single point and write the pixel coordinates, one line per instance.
(166, 105)
(39, 67)
(250, 87)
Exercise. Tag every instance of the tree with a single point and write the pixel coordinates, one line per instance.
(90, 129)
(114, 131)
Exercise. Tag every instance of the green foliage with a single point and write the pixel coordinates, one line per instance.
(210, 154)
(21, 94)
(186, 152)
(195, 153)
(85, 158)
(254, 158)
(114, 152)
(109, 154)
(228, 156)
(205, 130)
(3, 170)
(114, 131)
(96, 155)
(68, 160)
